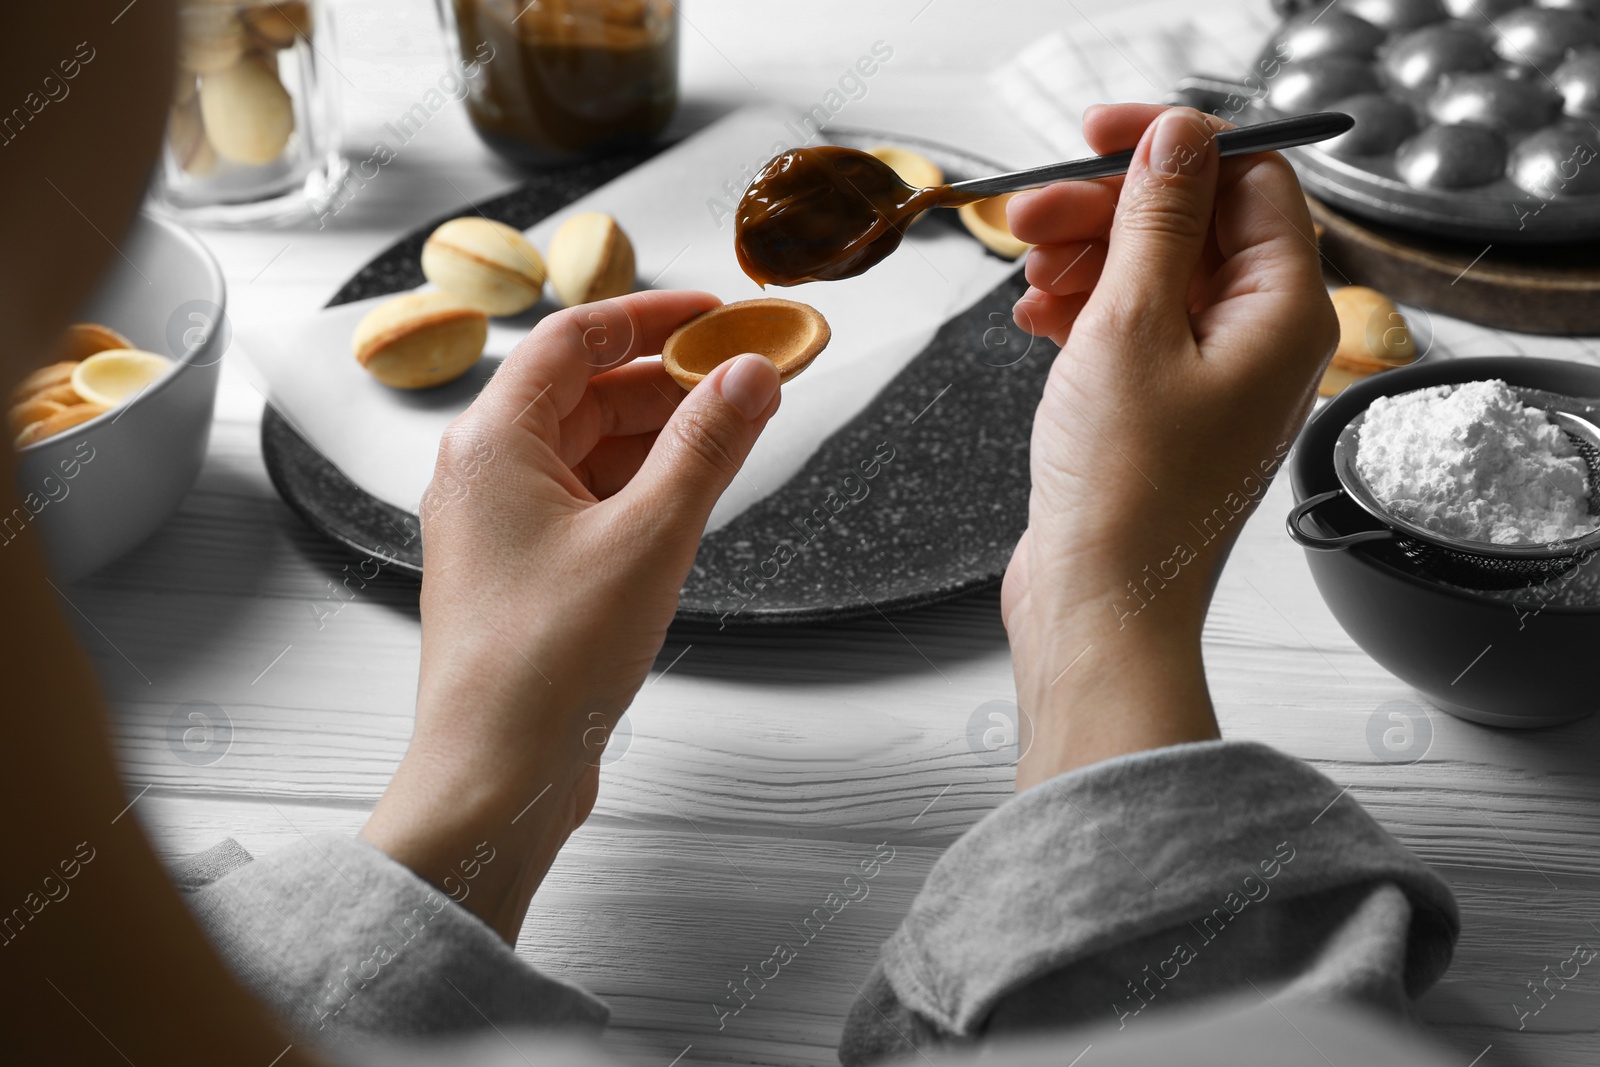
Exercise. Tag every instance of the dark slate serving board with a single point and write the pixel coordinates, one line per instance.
(853, 533)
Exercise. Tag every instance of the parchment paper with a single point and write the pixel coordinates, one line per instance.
(675, 208)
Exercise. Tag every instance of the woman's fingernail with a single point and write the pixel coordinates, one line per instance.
(749, 384)
(1026, 307)
(1014, 205)
(1179, 143)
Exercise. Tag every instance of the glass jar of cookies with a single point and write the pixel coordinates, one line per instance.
(551, 81)
(253, 133)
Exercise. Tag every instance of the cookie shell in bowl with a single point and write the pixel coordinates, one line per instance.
(102, 485)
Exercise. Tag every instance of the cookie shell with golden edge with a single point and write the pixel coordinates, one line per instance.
(277, 24)
(63, 394)
(485, 263)
(914, 168)
(248, 113)
(46, 377)
(29, 411)
(60, 422)
(118, 375)
(1336, 377)
(787, 332)
(1373, 335)
(986, 220)
(420, 340)
(590, 259)
(80, 341)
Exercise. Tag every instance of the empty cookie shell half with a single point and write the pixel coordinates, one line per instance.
(913, 168)
(787, 332)
(83, 339)
(986, 220)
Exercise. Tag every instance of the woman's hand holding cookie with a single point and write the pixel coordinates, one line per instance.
(566, 509)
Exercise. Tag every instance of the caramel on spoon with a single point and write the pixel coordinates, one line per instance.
(826, 212)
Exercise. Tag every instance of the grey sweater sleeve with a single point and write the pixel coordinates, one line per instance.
(344, 943)
(1118, 891)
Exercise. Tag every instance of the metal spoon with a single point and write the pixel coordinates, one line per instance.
(1244, 141)
(824, 213)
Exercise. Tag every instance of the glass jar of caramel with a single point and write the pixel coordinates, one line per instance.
(552, 81)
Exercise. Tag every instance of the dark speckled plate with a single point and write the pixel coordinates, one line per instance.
(919, 498)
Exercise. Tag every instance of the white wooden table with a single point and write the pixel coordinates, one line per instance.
(762, 767)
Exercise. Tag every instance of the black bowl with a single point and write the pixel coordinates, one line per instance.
(1484, 658)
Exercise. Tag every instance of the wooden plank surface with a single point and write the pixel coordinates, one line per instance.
(762, 766)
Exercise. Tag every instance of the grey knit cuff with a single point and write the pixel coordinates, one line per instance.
(342, 940)
(1103, 855)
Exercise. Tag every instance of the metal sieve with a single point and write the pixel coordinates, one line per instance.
(1474, 564)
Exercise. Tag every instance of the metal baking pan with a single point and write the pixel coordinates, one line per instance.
(1475, 119)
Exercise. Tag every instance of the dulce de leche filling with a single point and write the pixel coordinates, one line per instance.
(823, 213)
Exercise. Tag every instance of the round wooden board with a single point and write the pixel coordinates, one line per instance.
(1552, 289)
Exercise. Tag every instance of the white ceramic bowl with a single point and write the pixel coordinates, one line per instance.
(99, 489)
